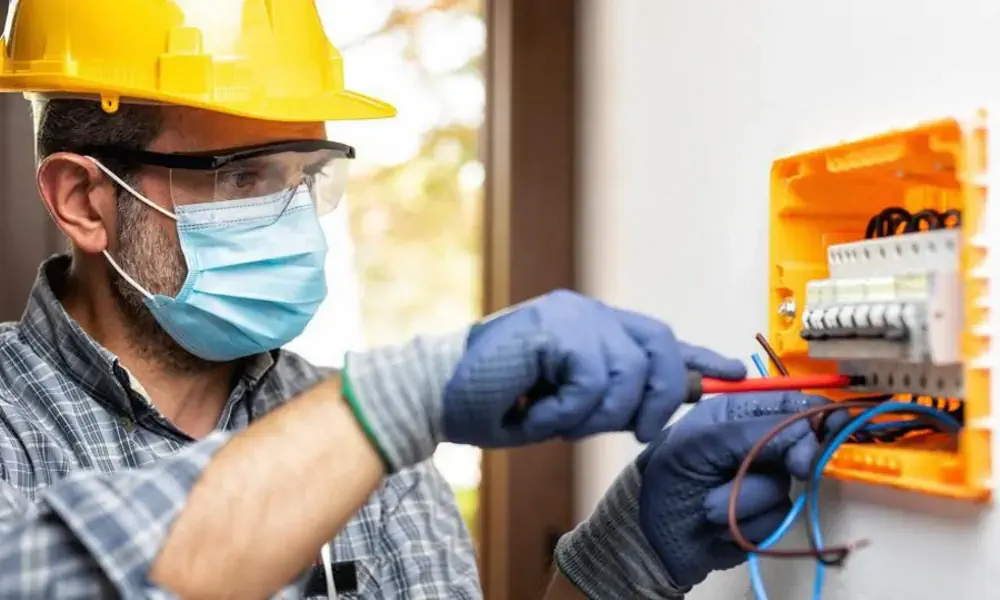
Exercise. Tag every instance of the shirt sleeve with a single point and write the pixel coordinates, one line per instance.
(428, 550)
(96, 535)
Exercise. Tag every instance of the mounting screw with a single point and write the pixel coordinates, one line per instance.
(787, 308)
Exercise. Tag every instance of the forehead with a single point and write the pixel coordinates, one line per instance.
(194, 130)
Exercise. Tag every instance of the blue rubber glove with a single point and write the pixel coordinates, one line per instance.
(591, 368)
(662, 527)
(688, 478)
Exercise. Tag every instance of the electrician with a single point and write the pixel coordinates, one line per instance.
(154, 438)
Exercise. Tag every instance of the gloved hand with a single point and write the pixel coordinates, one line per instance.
(592, 369)
(662, 527)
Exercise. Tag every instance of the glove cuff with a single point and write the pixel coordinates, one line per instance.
(607, 556)
(396, 395)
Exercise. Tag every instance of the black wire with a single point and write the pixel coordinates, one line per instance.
(886, 222)
(812, 482)
(823, 432)
(955, 410)
(917, 425)
(931, 217)
(889, 221)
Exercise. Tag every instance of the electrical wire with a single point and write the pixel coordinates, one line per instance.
(891, 431)
(771, 354)
(844, 434)
(808, 500)
(753, 560)
(734, 528)
(890, 221)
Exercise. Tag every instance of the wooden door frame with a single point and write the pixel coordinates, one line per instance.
(27, 234)
(530, 146)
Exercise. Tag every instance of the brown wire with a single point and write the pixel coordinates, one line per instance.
(734, 525)
(817, 421)
(775, 359)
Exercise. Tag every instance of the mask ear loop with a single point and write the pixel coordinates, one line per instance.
(132, 190)
(140, 198)
(126, 276)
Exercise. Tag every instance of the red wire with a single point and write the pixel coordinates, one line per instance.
(770, 384)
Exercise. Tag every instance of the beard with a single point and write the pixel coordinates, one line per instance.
(153, 258)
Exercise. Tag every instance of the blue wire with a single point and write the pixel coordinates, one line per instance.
(753, 559)
(849, 430)
(856, 424)
(892, 425)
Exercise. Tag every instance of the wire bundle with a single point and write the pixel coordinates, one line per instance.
(941, 415)
(896, 220)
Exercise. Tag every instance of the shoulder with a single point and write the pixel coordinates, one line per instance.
(291, 375)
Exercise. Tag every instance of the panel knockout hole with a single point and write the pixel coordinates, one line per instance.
(891, 380)
(906, 380)
(874, 378)
(923, 381)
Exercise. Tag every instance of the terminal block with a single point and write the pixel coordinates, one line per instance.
(880, 250)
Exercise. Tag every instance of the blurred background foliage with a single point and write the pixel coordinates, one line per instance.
(418, 237)
(415, 217)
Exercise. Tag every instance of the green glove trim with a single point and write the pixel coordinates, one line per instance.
(347, 391)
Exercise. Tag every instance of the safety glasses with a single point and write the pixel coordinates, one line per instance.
(270, 171)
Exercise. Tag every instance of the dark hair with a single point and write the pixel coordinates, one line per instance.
(67, 125)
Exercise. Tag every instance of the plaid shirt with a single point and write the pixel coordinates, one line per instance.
(92, 475)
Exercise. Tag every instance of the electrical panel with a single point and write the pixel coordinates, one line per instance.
(880, 254)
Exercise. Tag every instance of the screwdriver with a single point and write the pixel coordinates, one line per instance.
(698, 386)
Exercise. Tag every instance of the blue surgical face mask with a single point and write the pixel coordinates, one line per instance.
(255, 274)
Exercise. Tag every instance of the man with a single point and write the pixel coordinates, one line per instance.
(155, 440)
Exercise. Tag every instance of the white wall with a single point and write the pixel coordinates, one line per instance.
(685, 106)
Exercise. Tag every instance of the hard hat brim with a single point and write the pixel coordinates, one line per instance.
(333, 106)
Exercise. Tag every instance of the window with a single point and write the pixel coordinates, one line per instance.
(406, 243)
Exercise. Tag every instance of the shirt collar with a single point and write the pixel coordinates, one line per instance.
(50, 330)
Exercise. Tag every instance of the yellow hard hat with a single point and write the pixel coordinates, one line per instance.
(264, 59)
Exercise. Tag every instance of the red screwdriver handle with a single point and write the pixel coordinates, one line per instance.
(699, 386)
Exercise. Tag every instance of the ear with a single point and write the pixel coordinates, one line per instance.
(80, 199)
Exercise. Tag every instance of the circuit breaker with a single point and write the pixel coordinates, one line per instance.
(881, 270)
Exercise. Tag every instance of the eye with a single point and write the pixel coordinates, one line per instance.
(239, 180)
